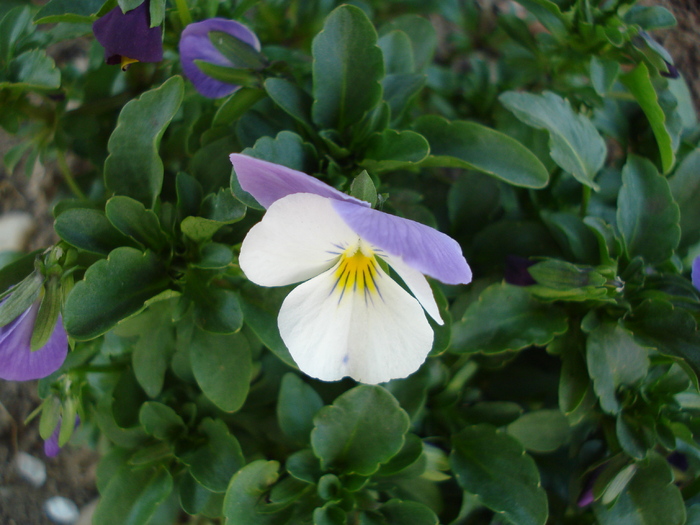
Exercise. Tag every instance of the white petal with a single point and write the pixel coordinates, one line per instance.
(371, 337)
(418, 285)
(300, 236)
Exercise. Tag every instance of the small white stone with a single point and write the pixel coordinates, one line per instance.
(61, 510)
(15, 228)
(31, 469)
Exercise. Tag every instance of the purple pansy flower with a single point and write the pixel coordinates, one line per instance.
(695, 273)
(128, 37)
(17, 361)
(348, 317)
(196, 45)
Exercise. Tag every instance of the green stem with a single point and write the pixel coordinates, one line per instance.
(585, 199)
(183, 12)
(68, 176)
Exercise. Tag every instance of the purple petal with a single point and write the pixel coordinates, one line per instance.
(516, 271)
(195, 45)
(427, 250)
(695, 273)
(129, 35)
(268, 182)
(17, 361)
(51, 447)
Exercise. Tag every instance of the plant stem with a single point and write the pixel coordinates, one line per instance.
(68, 176)
(585, 198)
(183, 12)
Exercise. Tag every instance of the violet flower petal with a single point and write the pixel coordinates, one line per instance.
(695, 273)
(129, 35)
(268, 182)
(17, 361)
(195, 45)
(51, 447)
(516, 271)
(423, 248)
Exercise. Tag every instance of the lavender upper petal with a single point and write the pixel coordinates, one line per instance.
(268, 182)
(130, 35)
(427, 250)
(196, 45)
(695, 273)
(17, 361)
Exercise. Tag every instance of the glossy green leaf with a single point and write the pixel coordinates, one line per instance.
(650, 17)
(550, 15)
(347, 69)
(494, 466)
(131, 218)
(214, 256)
(638, 81)
(34, 70)
(261, 317)
(216, 310)
(113, 289)
(160, 421)
(89, 230)
(400, 89)
(245, 500)
(222, 366)
(469, 145)
(20, 298)
(291, 99)
(422, 35)
(397, 52)
(13, 25)
(363, 188)
(134, 167)
(363, 428)
(288, 149)
(132, 495)
(297, 405)
(397, 512)
(229, 75)
(393, 150)
(240, 54)
(541, 430)
(214, 462)
(506, 318)
(685, 188)
(47, 316)
(236, 105)
(647, 215)
(69, 11)
(614, 359)
(603, 74)
(651, 498)
(574, 143)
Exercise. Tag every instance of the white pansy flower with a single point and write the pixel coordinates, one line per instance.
(348, 317)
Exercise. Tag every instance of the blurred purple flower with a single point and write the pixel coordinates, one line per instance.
(516, 271)
(17, 361)
(695, 273)
(128, 37)
(51, 447)
(196, 45)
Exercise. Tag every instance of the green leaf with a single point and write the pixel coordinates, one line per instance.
(245, 500)
(261, 318)
(21, 297)
(236, 105)
(113, 289)
(329, 515)
(362, 429)
(156, 12)
(291, 99)
(214, 463)
(89, 230)
(399, 89)
(347, 69)
(614, 359)
(68, 11)
(469, 145)
(560, 280)
(650, 17)
(422, 34)
(214, 256)
(47, 316)
(34, 70)
(397, 52)
(647, 215)
(297, 404)
(287, 149)
(161, 421)
(363, 188)
(241, 54)
(685, 188)
(550, 15)
(12, 26)
(393, 150)
(229, 75)
(133, 167)
(574, 143)
(639, 84)
(222, 366)
(506, 318)
(651, 498)
(398, 512)
(603, 74)
(216, 310)
(132, 495)
(494, 466)
(131, 218)
(541, 430)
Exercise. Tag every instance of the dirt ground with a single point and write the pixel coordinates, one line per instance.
(72, 473)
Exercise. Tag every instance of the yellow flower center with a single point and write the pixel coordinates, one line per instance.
(126, 62)
(357, 271)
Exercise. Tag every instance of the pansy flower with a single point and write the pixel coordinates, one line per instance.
(51, 446)
(17, 361)
(128, 37)
(348, 317)
(695, 273)
(195, 44)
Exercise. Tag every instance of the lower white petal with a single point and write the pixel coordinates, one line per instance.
(371, 333)
(418, 285)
